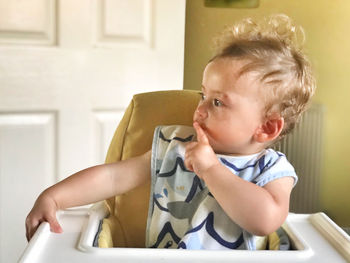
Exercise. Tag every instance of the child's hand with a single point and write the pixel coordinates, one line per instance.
(200, 156)
(44, 209)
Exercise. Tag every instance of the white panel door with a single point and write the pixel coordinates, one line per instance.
(68, 69)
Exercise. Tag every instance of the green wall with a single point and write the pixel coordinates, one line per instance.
(327, 27)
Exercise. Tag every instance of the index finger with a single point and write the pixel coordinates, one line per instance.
(201, 137)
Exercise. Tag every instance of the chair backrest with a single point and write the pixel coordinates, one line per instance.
(134, 137)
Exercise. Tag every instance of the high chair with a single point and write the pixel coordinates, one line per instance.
(118, 224)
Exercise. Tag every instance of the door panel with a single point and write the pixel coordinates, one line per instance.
(68, 69)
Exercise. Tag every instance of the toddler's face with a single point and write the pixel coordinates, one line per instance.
(231, 109)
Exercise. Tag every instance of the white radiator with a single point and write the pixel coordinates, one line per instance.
(303, 148)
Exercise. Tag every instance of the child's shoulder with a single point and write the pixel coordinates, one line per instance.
(271, 156)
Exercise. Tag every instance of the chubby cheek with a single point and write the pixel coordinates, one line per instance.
(217, 134)
(223, 134)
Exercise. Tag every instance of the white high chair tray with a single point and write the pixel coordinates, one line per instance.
(315, 237)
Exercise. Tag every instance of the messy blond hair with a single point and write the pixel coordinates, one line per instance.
(273, 49)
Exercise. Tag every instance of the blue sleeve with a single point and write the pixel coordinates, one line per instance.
(277, 166)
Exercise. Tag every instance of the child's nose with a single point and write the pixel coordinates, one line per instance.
(201, 111)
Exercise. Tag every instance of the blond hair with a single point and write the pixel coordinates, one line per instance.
(273, 49)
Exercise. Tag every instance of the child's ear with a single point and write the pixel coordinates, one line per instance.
(269, 130)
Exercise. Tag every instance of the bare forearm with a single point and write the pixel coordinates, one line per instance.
(100, 182)
(88, 186)
(250, 206)
(85, 187)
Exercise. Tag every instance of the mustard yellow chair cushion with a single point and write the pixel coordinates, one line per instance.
(126, 225)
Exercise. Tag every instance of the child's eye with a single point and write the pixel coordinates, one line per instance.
(203, 97)
(217, 103)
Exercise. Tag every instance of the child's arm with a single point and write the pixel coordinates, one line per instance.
(259, 210)
(88, 186)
